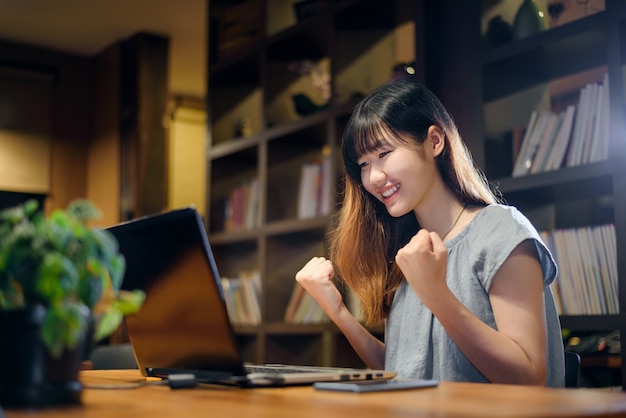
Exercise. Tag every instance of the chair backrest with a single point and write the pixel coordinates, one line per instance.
(114, 356)
(572, 370)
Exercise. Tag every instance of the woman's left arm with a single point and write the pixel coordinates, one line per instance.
(517, 300)
(514, 353)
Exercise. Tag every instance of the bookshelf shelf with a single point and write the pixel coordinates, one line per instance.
(593, 322)
(280, 328)
(555, 53)
(611, 362)
(590, 180)
(316, 225)
(354, 41)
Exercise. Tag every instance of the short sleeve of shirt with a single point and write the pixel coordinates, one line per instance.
(496, 231)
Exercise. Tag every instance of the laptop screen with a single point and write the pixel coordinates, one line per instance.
(183, 323)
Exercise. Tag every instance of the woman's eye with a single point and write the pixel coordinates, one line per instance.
(382, 154)
(363, 164)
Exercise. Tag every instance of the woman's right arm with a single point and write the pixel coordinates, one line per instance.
(316, 278)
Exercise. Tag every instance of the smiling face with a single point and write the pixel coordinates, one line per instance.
(399, 175)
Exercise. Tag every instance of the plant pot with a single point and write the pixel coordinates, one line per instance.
(29, 376)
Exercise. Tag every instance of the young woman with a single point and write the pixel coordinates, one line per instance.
(460, 282)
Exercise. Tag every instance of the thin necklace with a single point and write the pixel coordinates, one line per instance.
(455, 222)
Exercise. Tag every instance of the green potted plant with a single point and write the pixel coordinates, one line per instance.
(60, 282)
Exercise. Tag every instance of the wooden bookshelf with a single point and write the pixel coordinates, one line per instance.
(357, 43)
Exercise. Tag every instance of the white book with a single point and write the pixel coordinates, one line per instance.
(530, 149)
(562, 140)
(606, 122)
(587, 128)
(303, 309)
(307, 198)
(602, 270)
(609, 280)
(598, 269)
(566, 283)
(250, 288)
(546, 143)
(234, 300)
(354, 305)
(297, 294)
(577, 128)
(576, 271)
(586, 263)
(327, 187)
(600, 150)
(580, 127)
(228, 297)
(525, 142)
(593, 127)
(592, 297)
(583, 263)
(252, 204)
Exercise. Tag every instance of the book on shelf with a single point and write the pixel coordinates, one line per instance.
(354, 305)
(587, 269)
(314, 194)
(546, 142)
(559, 148)
(539, 124)
(303, 309)
(590, 138)
(242, 297)
(517, 136)
(574, 136)
(581, 125)
(522, 155)
(241, 207)
(599, 150)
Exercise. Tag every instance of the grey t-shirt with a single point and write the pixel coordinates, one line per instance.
(418, 346)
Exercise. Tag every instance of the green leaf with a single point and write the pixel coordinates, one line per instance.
(63, 326)
(107, 323)
(129, 302)
(57, 278)
(83, 210)
(105, 241)
(77, 315)
(90, 288)
(30, 207)
(117, 267)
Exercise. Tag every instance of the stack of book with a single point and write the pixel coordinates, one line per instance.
(314, 194)
(242, 298)
(303, 309)
(572, 137)
(354, 305)
(242, 207)
(587, 262)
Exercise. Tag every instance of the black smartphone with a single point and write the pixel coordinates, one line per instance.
(376, 385)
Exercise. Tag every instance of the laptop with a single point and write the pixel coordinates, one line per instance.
(183, 325)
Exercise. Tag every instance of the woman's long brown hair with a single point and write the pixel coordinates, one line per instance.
(365, 238)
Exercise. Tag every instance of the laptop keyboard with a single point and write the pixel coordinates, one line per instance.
(282, 368)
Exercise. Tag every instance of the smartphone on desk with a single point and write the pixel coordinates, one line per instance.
(376, 385)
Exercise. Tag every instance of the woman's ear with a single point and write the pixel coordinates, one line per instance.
(435, 141)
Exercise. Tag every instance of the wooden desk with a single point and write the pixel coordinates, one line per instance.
(447, 400)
